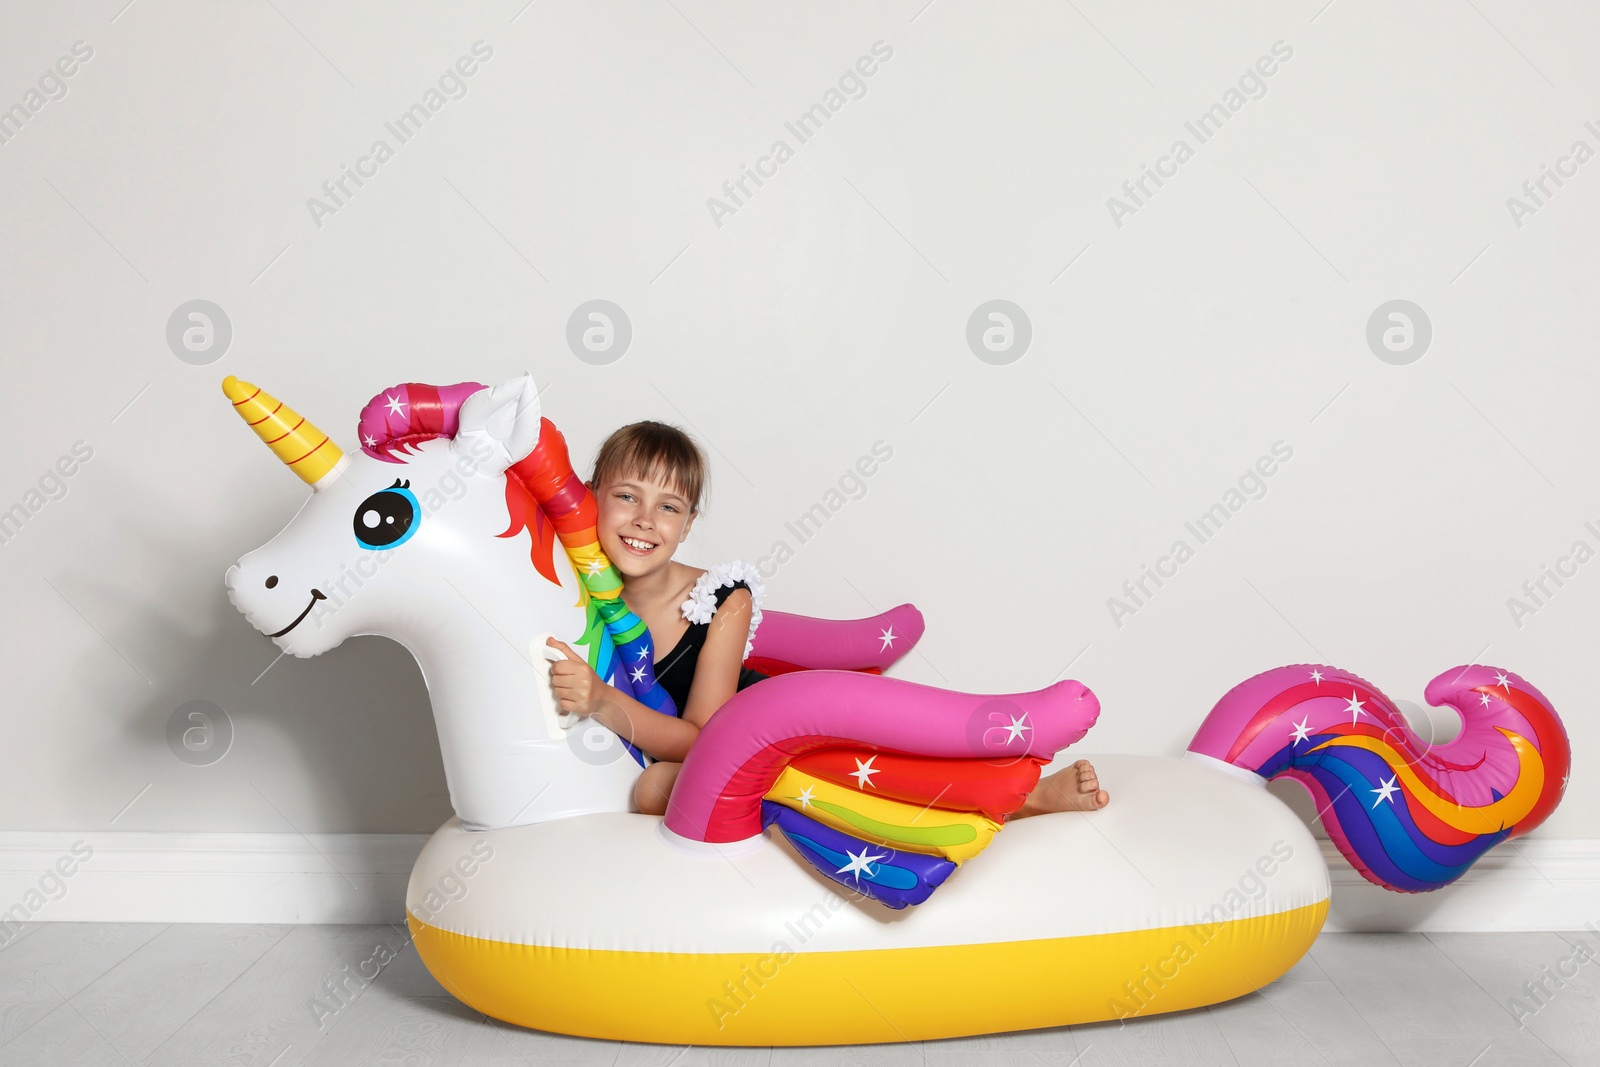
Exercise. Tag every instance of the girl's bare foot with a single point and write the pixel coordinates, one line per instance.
(1074, 788)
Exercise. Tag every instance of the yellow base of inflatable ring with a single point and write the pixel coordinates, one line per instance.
(908, 994)
(1193, 886)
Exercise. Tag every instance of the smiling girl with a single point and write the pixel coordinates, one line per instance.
(648, 481)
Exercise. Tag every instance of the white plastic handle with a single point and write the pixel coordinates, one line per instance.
(552, 654)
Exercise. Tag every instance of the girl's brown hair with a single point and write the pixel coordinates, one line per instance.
(657, 452)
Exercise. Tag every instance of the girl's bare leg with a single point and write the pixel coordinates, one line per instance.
(1074, 788)
(653, 786)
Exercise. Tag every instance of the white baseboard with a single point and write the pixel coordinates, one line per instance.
(206, 878)
(361, 878)
(1528, 884)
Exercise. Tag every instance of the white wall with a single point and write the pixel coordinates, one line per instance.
(827, 312)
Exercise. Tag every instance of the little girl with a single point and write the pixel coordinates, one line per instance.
(648, 480)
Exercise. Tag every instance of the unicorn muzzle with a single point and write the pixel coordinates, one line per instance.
(271, 606)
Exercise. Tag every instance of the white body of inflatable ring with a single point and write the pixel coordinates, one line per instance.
(1196, 886)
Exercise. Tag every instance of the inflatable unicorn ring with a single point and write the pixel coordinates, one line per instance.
(869, 916)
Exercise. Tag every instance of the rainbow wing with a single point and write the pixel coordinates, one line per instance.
(881, 831)
(889, 876)
(995, 787)
(884, 786)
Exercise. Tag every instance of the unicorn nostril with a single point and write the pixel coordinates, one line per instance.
(272, 581)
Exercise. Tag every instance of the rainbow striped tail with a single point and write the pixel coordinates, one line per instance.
(1410, 816)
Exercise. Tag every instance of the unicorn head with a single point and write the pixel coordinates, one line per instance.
(429, 535)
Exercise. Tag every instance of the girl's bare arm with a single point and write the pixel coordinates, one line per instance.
(716, 675)
(664, 737)
(716, 678)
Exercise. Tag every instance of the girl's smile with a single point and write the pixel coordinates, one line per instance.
(637, 546)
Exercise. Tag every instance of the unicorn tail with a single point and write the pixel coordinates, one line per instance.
(1410, 816)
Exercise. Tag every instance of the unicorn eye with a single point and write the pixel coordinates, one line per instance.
(387, 518)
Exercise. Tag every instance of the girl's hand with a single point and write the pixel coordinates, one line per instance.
(578, 689)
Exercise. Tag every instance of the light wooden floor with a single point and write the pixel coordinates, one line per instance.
(87, 994)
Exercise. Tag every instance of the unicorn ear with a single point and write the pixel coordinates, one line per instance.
(504, 417)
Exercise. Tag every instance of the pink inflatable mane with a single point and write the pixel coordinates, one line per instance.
(398, 419)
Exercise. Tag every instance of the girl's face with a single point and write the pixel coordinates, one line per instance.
(641, 523)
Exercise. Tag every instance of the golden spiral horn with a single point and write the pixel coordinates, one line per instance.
(304, 449)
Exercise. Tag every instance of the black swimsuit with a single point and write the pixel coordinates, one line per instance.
(676, 670)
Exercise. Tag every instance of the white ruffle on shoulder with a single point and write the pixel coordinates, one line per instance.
(702, 602)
